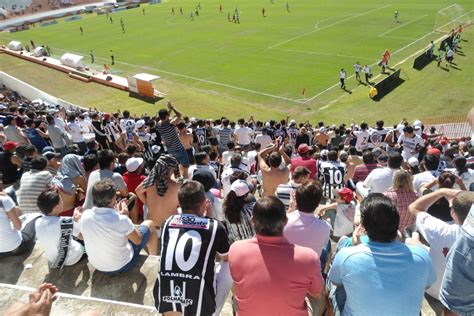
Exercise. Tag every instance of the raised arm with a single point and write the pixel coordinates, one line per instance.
(424, 202)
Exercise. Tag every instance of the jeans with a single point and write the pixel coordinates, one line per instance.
(457, 289)
(181, 156)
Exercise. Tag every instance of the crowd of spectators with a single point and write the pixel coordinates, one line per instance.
(382, 214)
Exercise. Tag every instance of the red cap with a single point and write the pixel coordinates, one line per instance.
(434, 151)
(303, 148)
(346, 195)
(106, 116)
(9, 145)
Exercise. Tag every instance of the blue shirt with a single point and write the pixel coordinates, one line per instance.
(383, 278)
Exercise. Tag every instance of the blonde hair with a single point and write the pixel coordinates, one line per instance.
(403, 181)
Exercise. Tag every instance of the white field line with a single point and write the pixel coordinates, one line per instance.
(187, 77)
(404, 24)
(325, 54)
(316, 26)
(329, 25)
(400, 37)
(399, 63)
(394, 53)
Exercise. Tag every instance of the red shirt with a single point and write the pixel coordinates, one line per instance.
(362, 171)
(133, 180)
(306, 162)
(272, 276)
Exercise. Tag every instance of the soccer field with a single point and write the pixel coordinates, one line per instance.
(267, 60)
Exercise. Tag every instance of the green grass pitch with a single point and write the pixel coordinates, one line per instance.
(258, 66)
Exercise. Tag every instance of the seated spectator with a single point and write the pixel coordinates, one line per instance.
(71, 183)
(206, 285)
(32, 184)
(300, 176)
(441, 208)
(303, 160)
(430, 164)
(55, 233)
(106, 164)
(380, 180)
(440, 235)
(76, 133)
(402, 195)
(15, 240)
(263, 139)
(35, 134)
(54, 159)
(410, 142)
(133, 178)
(238, 212)
(202, 162)
(13, 133)
(30, 153)
(272, 174)
(112, 242)
(122, 159)
(10, 165)
(457, 287)
(466, 174)
(90, 164)
(159, 192)
(384, 276)
(260, 267)
(343, 221)
(362, 171)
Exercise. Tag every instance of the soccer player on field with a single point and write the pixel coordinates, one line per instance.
(263, 12)
(342, 78)
(357, 68)
(366, 71)
(395, 16)
(385, 58)
(287, 7)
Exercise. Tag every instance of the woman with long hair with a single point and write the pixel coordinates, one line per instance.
(402, 194)
(238, 212)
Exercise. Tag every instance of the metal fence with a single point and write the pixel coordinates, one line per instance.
(453, 127)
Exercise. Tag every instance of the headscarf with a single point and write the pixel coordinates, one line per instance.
(159, 173)
(71, 167)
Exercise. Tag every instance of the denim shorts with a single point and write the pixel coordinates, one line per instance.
(145, 231)
(457, 289)
(181, 156)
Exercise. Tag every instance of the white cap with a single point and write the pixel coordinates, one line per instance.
(417, 123)
(292, 122)
(155, 149)
(52, 111)
(240, 188)
(400, 127)
(324, 152)
(267, 124)
(132, 164)
(413, 161)
(322, 130)
(3, 107)
(139, 124)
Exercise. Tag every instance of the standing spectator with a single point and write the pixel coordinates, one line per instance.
(259, 267)
(202, 163)
(362, 136)
(32, 183)
(304, 160)
(54, 159)
(224, 135)
(57, 136)
(272, 175)
(410, 142)
(243, 135)
(402, 195)
(13, 132)
(238, 212)
(186, 138)
(35, 135)
(76, 133)
(263, 139)
(30, 153)
(302, 138)
(133, 178)
(206, 285)
(112, 242)
(457, 288)
(99, 132)
(106, 164)
(332, 172)
(384, 276)
(167, 129)
(159, 192)
(439, 234)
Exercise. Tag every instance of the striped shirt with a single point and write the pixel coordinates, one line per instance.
(169, 136)
(242, 230)
(283, 192)
(225, 135)
(32, 184)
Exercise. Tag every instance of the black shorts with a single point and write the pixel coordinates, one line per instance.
(213, 141)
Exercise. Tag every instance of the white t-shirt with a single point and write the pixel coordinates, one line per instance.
(105, 234)
(423, 178)
(292, 135)
(59, 122)
(362, 139)
(48, 232)
(377, 137)
(441, 236)
(76, 132)
(263, 140)
(244, 135)
(193, 168)
(86, 126)
(410, 144)
(10, 238)
(344, 223)
(379, 180)
(467, 177)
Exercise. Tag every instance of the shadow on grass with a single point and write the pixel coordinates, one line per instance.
(393, 85)
(145, 99)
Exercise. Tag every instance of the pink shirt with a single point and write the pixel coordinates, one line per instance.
(272, 276)
(304, 229)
